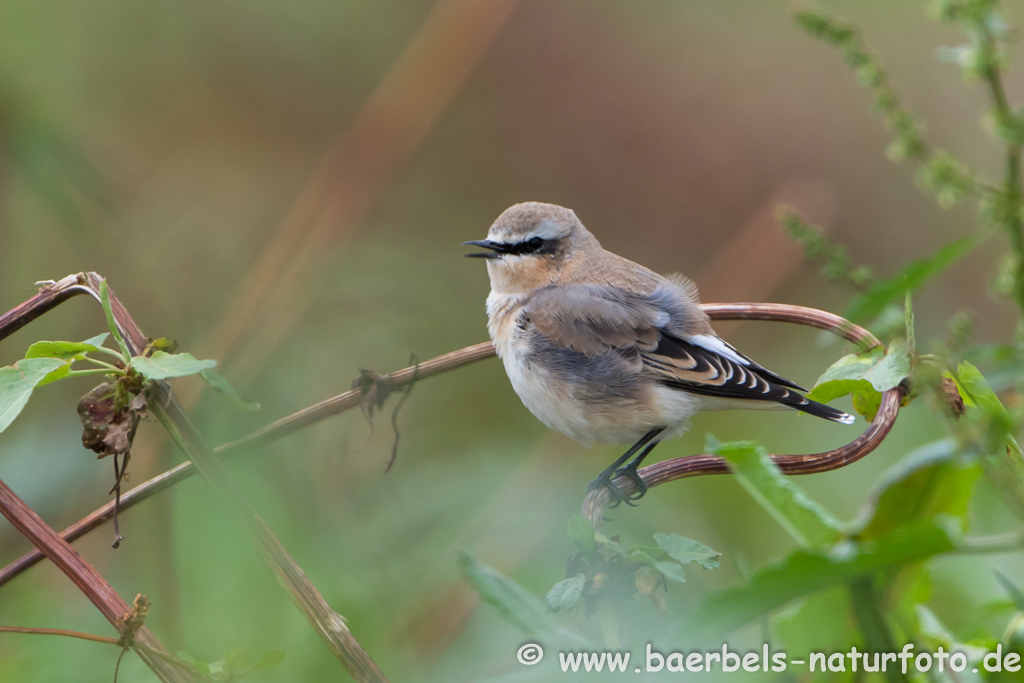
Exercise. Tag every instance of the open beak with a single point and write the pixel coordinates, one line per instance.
(496, 249)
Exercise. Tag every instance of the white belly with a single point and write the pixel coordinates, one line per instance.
(579, 411)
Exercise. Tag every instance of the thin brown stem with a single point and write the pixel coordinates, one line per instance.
(95, 639)
(85, 577)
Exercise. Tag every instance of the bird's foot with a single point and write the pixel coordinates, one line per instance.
(618, 495)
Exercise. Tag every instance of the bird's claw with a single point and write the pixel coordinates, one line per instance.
(617, 494)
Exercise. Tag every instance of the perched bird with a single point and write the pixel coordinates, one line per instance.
(602, 349)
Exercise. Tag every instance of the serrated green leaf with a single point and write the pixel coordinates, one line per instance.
(833, 389)
(565, 595)
(864, 377)
(807, 521)
(671, 570)
(581, 531)
(685, 550)
(221, 386)
(892, 369)
(65, 350)
(807, 571)
(163, 365)
(17, 383)
(853, 365)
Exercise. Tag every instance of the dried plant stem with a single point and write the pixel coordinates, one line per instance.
(87, 579)
(329, 625)
(95, 639)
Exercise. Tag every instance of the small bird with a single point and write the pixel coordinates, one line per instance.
(602, 349)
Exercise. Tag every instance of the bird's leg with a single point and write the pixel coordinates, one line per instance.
(616, 468)
(630, 471)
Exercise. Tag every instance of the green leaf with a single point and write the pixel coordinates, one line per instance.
(515, 604)
(268, 660)
(686, 550)
(221, 386)
(807, 571)
(864, 376)
(581, 531)
(17, 383)
(807, 521)
(817, 623)
(910, 278)
(199, 666)
(671, 570)
(892, 369)
(58, 374)
(65, 350)
(163, 365)
(926, 484)
(1012, 589)
(565, 595)
(111, 323)
(935, 634)
(977, 387)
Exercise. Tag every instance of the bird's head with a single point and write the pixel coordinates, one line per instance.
(530, 244)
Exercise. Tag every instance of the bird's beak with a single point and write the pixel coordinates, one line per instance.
(496, 249)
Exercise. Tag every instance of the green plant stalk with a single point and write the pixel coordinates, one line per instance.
(871, 621)
(329, 625)
(1014, 224)
(112, 323)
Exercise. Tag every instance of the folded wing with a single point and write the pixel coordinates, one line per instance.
(672, 336)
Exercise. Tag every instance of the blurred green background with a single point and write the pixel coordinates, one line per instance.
(284, 187)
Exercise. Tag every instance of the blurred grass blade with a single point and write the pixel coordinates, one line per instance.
(884, 292)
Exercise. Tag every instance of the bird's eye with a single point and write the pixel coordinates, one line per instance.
(535, 243)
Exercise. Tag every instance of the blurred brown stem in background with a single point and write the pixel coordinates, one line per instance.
(381, 139)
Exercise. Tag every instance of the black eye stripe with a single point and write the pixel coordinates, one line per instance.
(530, 246)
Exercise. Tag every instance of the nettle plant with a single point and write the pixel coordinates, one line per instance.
(866, 582)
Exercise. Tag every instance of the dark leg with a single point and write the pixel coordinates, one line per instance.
(645, 446)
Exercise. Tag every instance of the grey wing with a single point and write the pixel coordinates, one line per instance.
(667, 332)
(594, 319)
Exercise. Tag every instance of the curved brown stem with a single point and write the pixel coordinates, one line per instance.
(596, 502)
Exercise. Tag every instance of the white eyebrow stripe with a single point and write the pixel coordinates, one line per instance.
(549, 230)
(716, 345)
